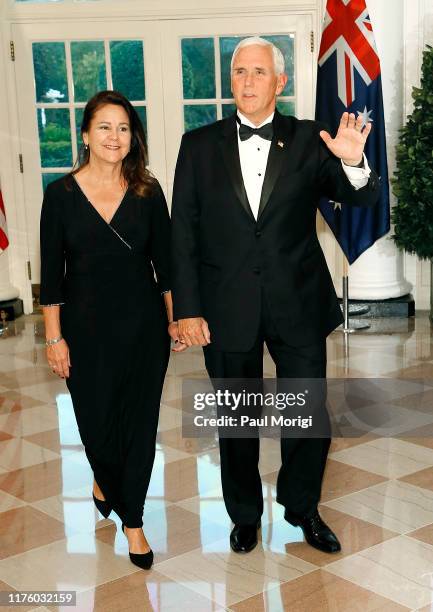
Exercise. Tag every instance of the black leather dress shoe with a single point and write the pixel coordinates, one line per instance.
(317, 533)
(243, 538)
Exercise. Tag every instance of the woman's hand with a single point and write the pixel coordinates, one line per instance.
(58, 358)
(173, 332)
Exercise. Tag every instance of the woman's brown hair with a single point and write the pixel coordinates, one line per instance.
(134, 165)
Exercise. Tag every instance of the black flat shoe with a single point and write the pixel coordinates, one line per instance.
(103, 506)
(243, 538)
(317, 533)
(144, 560)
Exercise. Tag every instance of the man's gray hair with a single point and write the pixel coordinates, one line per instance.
(257, 40)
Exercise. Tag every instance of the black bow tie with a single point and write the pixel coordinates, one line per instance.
(266, 131)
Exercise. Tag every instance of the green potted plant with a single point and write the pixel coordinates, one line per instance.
(412, 216)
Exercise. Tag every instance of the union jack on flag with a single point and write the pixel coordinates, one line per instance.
(349, 79)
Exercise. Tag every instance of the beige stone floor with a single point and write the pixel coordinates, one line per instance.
(377, 496)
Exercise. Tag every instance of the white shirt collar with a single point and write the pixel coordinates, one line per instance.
(248, 122)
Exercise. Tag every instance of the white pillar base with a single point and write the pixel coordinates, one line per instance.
(377, 274)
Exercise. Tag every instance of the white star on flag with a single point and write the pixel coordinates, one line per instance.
(365, 114)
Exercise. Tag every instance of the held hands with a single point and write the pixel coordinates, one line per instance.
(350, 140)
(58, 359)
(193, 332)
(173, 332)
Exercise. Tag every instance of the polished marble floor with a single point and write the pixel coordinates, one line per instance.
(377, 495)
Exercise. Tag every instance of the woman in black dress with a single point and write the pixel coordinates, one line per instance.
(105, 234)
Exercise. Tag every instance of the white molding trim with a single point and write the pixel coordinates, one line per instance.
(113, 10)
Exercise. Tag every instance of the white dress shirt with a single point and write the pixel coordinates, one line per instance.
(253, 155)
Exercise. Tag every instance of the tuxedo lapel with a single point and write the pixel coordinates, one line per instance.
(278, 153)
(230, 153)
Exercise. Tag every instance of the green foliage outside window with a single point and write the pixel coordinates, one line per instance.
(56, 147)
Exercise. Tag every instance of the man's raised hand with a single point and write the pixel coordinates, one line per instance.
(350, 140)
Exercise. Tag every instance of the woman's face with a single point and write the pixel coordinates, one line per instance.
(109, 135)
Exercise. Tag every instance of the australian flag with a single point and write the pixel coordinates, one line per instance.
(349, 79)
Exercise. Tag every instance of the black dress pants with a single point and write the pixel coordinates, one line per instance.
(303, 460)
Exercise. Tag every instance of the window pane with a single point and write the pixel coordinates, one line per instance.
(198, 115)
(49, 64)
(141, 111)
(54, 137)
(127, 68)
(286, 108)
(286, 46)
(228, 109)
(49, 178)
(227, 46)
(88, 67)
(78, 119)
(198, 68)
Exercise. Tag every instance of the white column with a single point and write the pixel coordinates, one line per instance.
(378, 273)
(7, 291)
(13, 259)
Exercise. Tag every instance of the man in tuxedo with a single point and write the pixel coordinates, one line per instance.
(248, 267)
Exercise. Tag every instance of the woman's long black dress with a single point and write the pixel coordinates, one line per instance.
(114, 321)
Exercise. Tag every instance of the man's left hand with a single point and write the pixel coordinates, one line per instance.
(350, 140)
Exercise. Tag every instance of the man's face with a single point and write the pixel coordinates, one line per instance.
(254, 82)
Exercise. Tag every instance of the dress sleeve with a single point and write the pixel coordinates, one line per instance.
(160, 241)
(52, 251)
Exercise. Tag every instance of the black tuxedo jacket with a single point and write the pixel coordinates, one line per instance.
(223, 257)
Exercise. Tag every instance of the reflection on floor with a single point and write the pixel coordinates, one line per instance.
(378, 496)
